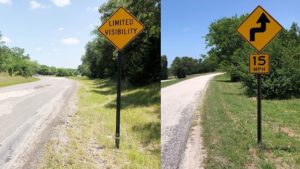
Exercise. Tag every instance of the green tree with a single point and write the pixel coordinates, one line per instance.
(44, 70)
(207, 64)
(231, 53)
(183, 66)
(15, 62)
(164, 67)
(283, 80)
(223, 41)
(141, 58)
(66, 72)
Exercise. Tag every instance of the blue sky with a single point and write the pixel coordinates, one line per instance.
(185, 23)
(52, 32)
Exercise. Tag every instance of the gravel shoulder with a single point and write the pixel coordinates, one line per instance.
(54, 131)
(179, 102)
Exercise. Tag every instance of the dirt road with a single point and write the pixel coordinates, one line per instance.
(178, 104)
(26, 111)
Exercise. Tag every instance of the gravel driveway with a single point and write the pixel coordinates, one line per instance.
(26, 111)
(178, 103)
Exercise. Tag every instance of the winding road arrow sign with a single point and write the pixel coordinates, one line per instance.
(259, 28)
(263, 20)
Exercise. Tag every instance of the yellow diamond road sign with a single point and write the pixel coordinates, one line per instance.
(121, 28)
(259, 28)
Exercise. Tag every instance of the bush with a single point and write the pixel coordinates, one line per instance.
(249, 83)
(235, 76)
(283, 81)
(180, 73)
(232, 54)
(163, 68)
(182, 66)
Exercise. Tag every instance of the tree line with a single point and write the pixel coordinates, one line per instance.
(141, 58)
(231, 53)
(15, 62)
(183, 66)
(51, 70)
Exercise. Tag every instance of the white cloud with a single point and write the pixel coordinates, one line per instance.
(61, 29)
(92, 9)
(61, 3)
(5, 39)
(70, 41)
(36, 5)
(92, 26)
(6, 2)
(39, 49)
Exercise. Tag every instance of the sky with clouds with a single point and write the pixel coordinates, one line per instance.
(185, 23)
(52, 32)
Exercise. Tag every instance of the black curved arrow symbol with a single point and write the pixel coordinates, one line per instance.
(263, 20)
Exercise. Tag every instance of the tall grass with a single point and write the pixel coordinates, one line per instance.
(90, 138)
(230, 123)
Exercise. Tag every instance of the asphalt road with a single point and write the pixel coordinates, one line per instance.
(25, 111)
(178, 103)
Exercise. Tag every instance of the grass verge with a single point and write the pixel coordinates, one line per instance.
(6, 80)
(229, 129)
(89, 140)
(174, 80)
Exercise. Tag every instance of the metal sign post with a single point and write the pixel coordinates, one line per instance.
(118, 110)
(120, 29)
(259, 141)
(259, 64)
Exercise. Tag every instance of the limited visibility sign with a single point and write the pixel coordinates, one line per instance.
(259, 63)
(259, 28)
(121, 28)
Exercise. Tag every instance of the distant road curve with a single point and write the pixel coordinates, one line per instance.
(178, 103)
(26, 110)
